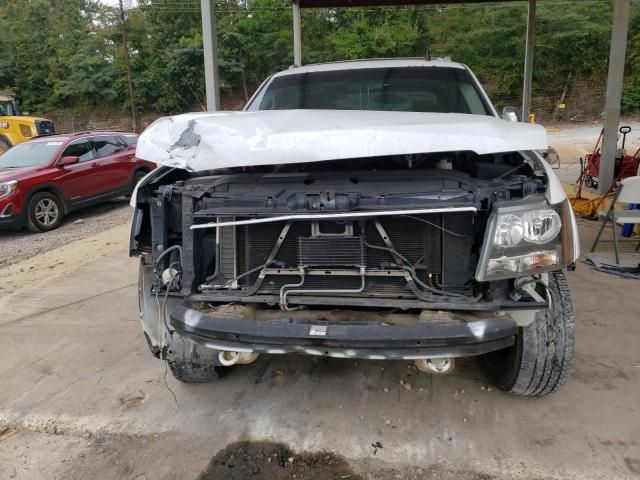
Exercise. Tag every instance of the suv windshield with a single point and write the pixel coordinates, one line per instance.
(405, 89)
(29, 154)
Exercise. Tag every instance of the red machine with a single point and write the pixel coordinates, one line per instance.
(625, 166)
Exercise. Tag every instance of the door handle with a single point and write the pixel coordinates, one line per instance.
(95, 164)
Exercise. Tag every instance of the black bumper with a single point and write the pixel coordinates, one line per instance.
(345, 339)
(13, 222)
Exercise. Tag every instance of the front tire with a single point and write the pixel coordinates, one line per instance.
(44, 212)
(540, 360)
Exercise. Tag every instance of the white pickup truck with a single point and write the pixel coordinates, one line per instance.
(369, 209)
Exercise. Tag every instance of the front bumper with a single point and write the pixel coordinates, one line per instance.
(8, 218)
(13, 213)
(431, 337)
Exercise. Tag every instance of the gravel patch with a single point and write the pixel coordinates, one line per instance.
(16, 246)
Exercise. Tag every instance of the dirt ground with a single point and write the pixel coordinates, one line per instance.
(83, 398)
(18, 245)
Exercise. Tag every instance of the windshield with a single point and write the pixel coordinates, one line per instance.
(6, 108)
(405, 89)
(29, 154)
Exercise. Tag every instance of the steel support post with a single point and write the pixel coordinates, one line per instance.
(297, 36)
(210, 45)
(615, 79)
(528, 61)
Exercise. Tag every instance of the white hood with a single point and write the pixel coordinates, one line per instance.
(205, 141)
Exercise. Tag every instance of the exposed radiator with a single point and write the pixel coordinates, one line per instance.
(334, 247)
(331, 251)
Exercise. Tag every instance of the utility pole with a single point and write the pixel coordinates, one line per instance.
(127, 64)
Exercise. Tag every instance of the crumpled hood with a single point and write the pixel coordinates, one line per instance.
(205, 141)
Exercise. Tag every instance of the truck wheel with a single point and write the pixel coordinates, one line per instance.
(4, 145)
(44, 212)
(190, 372)
(540, 360)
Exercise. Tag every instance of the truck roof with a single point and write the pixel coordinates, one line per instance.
(373, 63)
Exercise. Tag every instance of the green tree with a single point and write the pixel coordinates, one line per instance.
(74, 60)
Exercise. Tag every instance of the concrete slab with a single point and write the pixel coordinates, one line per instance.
(81, 396)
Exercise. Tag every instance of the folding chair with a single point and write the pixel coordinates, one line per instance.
(628, 192)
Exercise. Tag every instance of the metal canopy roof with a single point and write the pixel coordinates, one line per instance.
(380, 3)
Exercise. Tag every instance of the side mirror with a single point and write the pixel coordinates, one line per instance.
(68, 161)
(511, 114)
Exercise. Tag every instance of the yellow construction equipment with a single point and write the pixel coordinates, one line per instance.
(15, 127)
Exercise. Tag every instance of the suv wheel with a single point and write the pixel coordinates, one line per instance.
(540, 360)
(44, 212)
(139, 175)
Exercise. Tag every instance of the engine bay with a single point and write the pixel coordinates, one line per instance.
(400, 232)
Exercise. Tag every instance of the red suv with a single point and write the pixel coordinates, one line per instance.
(43, 179)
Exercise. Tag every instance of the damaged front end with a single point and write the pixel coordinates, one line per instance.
(401, 256)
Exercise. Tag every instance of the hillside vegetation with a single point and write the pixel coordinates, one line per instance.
(67, 54)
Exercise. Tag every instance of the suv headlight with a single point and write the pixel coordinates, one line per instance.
(7, 187)
(521, 240)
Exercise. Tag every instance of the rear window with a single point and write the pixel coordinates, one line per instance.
(407, 89)
(106, 145)
(129, 139)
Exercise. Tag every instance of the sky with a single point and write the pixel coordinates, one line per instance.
(114, 3)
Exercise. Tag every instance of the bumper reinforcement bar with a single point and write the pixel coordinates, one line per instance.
(345, 339)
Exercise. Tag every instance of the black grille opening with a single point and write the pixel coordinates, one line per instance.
(45, 127)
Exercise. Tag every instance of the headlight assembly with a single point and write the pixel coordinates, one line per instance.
(535, 226)
(509, 231)
(7, 187)
(521, 240)
(514, 266)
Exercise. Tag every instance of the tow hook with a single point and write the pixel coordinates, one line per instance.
(228, 358)
(438, 366)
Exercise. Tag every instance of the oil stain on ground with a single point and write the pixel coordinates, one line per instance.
(275, 461)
